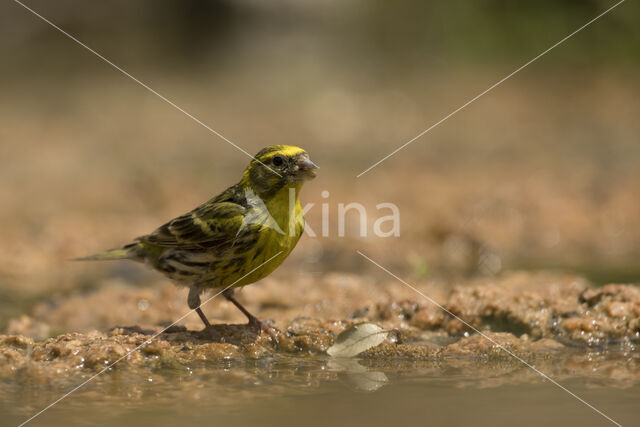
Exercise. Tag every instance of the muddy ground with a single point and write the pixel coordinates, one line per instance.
(558, 322)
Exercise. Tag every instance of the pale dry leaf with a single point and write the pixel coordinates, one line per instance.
(356, 339)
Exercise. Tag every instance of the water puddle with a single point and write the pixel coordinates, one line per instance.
(320, 391)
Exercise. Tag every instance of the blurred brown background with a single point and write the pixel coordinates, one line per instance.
(540, 173)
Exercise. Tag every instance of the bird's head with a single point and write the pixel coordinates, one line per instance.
(278, 166)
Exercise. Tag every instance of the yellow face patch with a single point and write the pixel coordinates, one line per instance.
(284, 150)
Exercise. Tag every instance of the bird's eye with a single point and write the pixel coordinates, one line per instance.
(278, 161)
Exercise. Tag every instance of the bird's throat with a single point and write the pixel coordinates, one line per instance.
(285, 208)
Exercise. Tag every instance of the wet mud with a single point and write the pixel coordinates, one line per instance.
(559, 322)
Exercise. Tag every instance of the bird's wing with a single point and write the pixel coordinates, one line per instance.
(211, 224)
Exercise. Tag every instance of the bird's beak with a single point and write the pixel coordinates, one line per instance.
(306, 164)
(307, 168)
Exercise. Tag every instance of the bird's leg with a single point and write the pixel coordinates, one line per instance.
(253, 320)
(194, 303)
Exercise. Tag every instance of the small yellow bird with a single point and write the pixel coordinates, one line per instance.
(237, 237)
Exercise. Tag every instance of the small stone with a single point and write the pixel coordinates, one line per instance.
(19, 341)
(577, 323)
(618, 309)
(155, 347)
(591, 296)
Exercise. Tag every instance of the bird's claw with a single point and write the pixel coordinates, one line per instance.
(270, 330)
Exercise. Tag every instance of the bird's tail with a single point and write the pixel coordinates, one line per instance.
(126, 252)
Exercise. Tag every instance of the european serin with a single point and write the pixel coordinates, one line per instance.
(237, 237)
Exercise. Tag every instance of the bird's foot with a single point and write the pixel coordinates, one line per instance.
(256, 324)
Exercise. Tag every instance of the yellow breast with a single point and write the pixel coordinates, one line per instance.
(283, 225)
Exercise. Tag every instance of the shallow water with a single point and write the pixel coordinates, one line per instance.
(322, 391)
